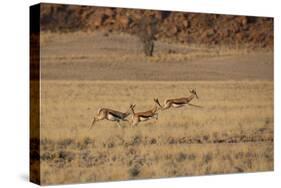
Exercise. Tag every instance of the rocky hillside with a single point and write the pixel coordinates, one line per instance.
(181, 27)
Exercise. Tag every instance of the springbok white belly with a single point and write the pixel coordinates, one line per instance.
(177, 105)
(112, 118)
(144, 118)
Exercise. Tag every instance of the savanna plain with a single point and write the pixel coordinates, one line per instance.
(82, 72)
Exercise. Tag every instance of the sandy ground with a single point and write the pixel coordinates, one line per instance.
(83, 56)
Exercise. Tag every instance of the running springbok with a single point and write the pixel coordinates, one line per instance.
(179, 102)
(144, 116)
(111, 115)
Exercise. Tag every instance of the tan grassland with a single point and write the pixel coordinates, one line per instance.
(82, 72)
(233, 132)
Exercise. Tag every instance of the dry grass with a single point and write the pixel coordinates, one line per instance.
(164, 51)
(232, 133)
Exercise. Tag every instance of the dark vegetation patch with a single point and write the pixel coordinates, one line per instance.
(134, 171)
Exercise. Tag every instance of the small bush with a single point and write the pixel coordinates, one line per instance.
(66, 156)
(181, 157)
(134, 171)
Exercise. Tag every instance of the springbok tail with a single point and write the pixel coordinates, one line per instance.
(195, 105)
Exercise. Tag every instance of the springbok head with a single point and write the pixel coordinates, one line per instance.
(128, 112)
(159, 106)
(193, 92)
(132, 106)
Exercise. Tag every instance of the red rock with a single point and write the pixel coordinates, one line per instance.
(178, 26)
(123, 21)
(109, 12)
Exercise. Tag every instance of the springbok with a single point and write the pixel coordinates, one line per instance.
(111, 115)
(179, 102)
(144, 116)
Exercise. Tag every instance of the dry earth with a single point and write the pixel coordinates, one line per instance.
(93, 56)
